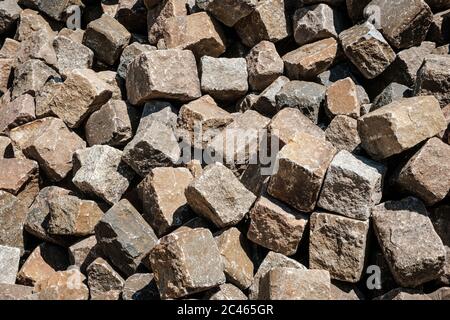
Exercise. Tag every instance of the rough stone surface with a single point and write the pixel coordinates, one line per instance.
(412, 248)
(9, 264)
(104, 283)
(226, 291)
(64, 285)
(186, 262)
(140, 286)
(84, 252)
(19, 111)
(163, 74)
(129, 54)
(16, 173)
(433, 78)
(302, 167)
(339, 245)
(219, 196)
(352, 186)
(343, 134)
(342, 99)
(71, 55)
(228, 12)
(400, 126)
(99, 171)
(125, 237)
(276, 226)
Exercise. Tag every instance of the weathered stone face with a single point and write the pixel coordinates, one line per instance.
(49, 142)
(104, 283)
(196, 32)
(412, 248)
(310, 60)
(16, 173)
(302, 168)
(179, 81)
(16, 292)
(296, 284)
(107, 38)
(224, 206)
(19, 111)
(100, 171)
(404, 24)
(342, 99)
(267, 22)
(425, 175)
(264, 65)
(352, 186)
(308, 97)
(159, 13)
(265, 103)
(366, 48)
(164, 202)
(124, 237)
(228, 12)
(289, 122)
(186, 262)
(71, 55)
(140, 286)
(234, 249)
(276, 226)
(64, 285)
(226, 291)
(129, 54)
(9, 13)
(224, 78)
(9, 264)
(343, 133)
(83, 253)
(432, 78)
(344, 259)
(400, 126)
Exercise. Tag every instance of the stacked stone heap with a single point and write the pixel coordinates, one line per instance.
(225, 149)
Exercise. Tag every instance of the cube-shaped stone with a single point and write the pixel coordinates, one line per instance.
(275, 226)
(289, 122)
(404, 23)
(163, 74)
(308, 97)
(235, 251)
(159, 13)
(111, 124)
(352, 186)
(427, 174)
(228, 12)
(82, 93)
(84, 252)
(432, 78)
(129, 54)
(343, 134)
(186, 262)
(302, 165)
(412, 248)
(400, 126)
(267, 22)
(310, 60)
(219, 196)
(107, 38)
(124, 237)
(313, 23)
(163, 199)
(265, 103)
(71, 55)
(15, 174)
(224, 78)
(264, 65)
(366, 48)
(342, 99)
(49, 142)
(296, 284)
(339, 245)
(196, 32)
(99, 171)
(103, 281)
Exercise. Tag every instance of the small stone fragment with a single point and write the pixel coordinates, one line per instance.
(366, 48)
(311, 59)
(400, 126)
(219, 196)
(264, 65)
(104, 283)
(124, 237)
(302, 168)
(426, 175)
(352, 186)
(107, 38)
(163, 74)
(338, 244)
(412, 248)
(235, 252)
(186, 262)
(99, 171)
